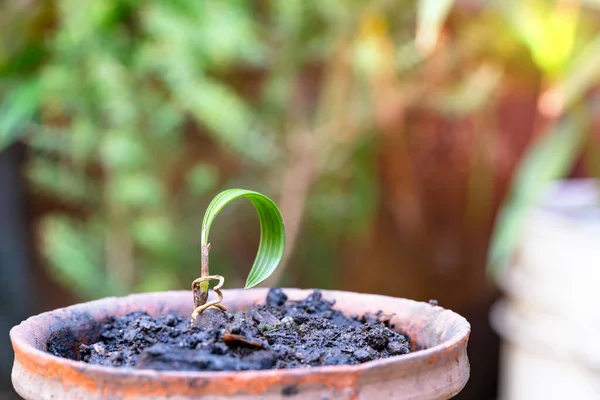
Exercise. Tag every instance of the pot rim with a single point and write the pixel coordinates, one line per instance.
(25, 345)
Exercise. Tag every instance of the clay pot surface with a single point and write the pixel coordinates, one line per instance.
(439, 371)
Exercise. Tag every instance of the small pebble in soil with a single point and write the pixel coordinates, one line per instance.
(278, 334)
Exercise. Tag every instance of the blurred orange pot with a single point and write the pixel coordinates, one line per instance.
(439, 371)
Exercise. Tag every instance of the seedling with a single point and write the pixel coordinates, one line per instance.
(270, 248)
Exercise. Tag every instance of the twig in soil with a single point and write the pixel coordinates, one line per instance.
(239, 339)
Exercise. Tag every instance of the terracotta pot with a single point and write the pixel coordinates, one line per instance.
(438, 372)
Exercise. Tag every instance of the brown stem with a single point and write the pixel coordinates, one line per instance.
(200, 290)
(205, 250)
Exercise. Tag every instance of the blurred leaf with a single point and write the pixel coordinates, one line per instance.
(288, 17)
(473, 94)
(111, 81)
(21, 48)
(407, 57)
(154, 233)
(75, 255)
(591, 156)
(17, 109)
(431, 15)
(163, 116)
(215, 34)
(374, 49)
(157, 279)
(364, 195)
(76, 144)
(344, 201)
(591, 3)
(229, 33)
(57, 80)
(548, 29)
(230, 119)
(581, 76)
(61, 181)
(550, 158)
(121, 150)
(201, 178)
(137, 190)
(82, 140)
(24, 61)
(49, 140)
(272, 231)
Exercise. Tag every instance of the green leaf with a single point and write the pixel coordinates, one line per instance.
(550, 158)
(272, 231)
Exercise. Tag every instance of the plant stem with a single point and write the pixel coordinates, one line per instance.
(201, 291)
(204, 261)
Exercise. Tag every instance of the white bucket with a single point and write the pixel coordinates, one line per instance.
(550, 319)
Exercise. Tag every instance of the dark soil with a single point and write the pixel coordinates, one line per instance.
(279, 334)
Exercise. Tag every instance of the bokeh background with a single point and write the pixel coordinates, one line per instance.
(390, 133)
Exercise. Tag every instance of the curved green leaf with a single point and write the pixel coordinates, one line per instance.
(272, 231)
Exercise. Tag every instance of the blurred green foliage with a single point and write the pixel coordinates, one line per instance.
(108, 106)
(564, 40)
(133, 112)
